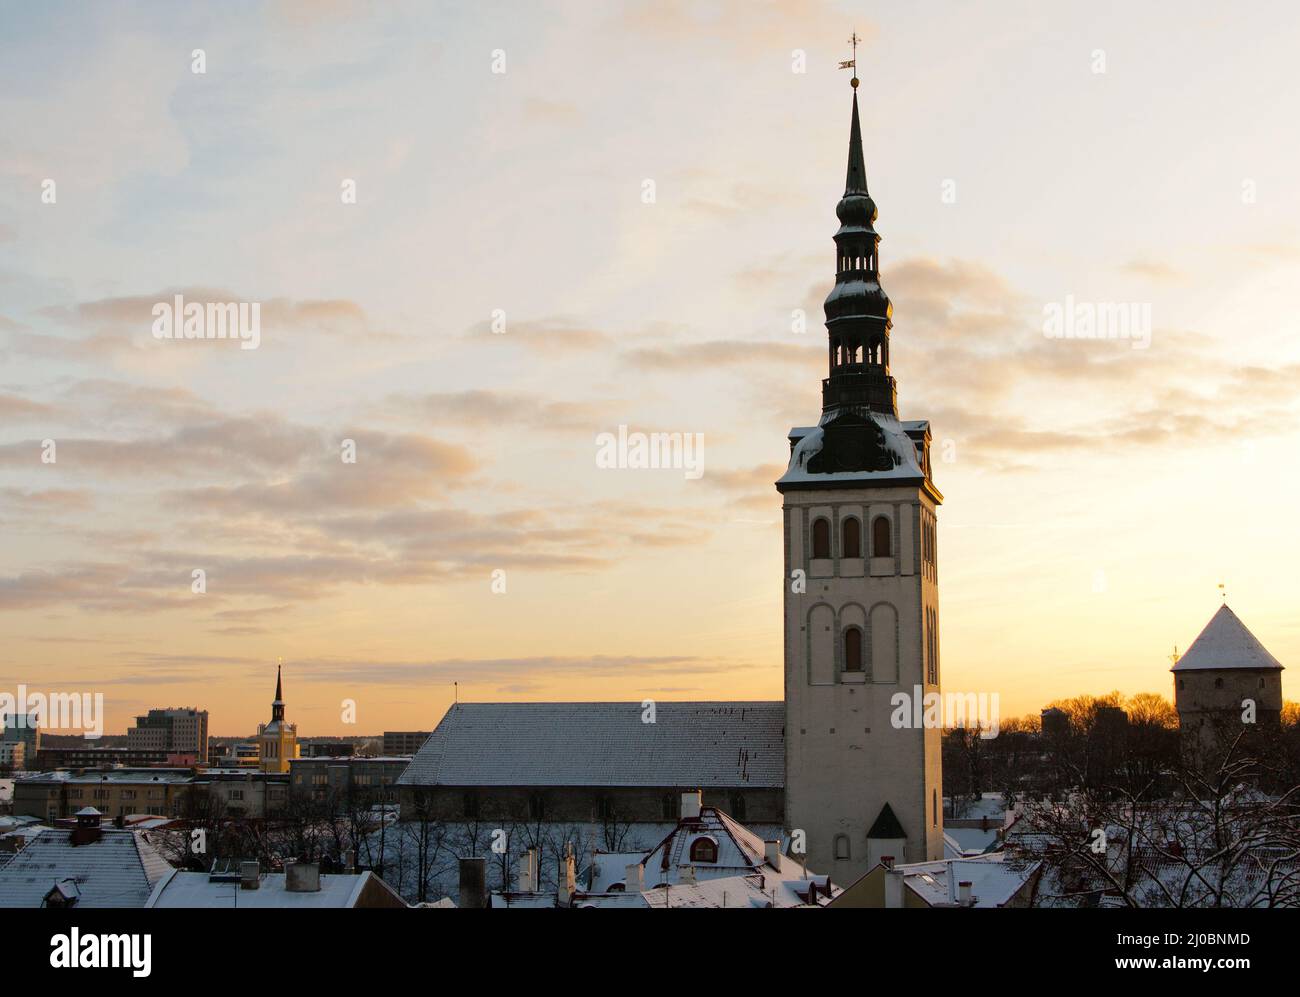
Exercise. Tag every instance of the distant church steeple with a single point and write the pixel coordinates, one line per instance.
(277, 741)
(277, 705)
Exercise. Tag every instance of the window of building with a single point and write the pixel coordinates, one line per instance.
(669, 804)
(537, 807)
(469, 804)
(704, 849)
(852, 537)
(1218, 683)
(843, 850)
(934, 808)
(738, 806)
(880, 540)
(821, 537)
(852, 649)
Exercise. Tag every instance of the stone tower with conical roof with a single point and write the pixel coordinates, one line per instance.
(861, 585)
(1226, 683)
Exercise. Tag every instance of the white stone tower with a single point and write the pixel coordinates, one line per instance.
(861, 585)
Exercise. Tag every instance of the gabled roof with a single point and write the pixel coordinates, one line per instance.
(691, 745)
(1226, 643)
(119, 869)
(887, 825)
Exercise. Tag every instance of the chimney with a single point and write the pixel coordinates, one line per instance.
(473, 882)
(686, 875)
(893, 887)
(528, 871)
(691, 803)
(634, 881)
(567, 879)
(963, 893)
(250, 875)
(772, 853)
(302, 877)
(350, 861)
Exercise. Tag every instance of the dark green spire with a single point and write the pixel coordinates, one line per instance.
(855, 181)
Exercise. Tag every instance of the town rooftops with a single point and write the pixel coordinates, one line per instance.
(117, 869)
(198, 889)
(738, 744)
(1226, 643)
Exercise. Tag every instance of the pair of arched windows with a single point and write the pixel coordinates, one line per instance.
(851, 537)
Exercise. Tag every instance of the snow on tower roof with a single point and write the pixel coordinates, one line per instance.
(1226, 643)
(604, 744)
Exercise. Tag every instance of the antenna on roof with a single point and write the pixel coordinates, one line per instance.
(456, 691)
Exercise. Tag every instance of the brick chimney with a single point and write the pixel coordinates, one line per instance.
(302, 877)
(772, 853)
(528, 871)
(635, 878)
(250, 875)
(691, 803)
(473, 882)
(567, 879)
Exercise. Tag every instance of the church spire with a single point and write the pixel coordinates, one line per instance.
(855, 181)
(277, 707)
(858, 312)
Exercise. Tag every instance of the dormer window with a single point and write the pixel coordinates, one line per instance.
(704, 849)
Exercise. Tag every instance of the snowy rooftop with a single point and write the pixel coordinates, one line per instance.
(740, 866)
(993, 879)
(907, 463)
(1225, 643)
(604, 744)
(118, 870)
(195, 889)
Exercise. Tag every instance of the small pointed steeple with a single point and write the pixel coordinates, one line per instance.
(855, 181)
(277, 706)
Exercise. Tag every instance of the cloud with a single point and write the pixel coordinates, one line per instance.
(545, 336)
(482, 408)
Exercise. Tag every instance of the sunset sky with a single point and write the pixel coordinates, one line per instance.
(1095, 494)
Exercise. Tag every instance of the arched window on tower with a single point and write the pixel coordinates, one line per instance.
(842, 849)
(880, 545)
(852, 531)
(821, 538)
(852, 649)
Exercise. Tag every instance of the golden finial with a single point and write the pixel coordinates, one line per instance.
(853, 63)
(1175, 656)
(1223, 591)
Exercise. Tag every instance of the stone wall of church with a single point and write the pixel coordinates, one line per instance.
(633, 804)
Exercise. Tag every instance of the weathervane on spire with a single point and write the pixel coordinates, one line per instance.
(853, 63)
(1223, 591)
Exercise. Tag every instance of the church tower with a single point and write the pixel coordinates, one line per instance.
(277, 741)
(861, 585)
